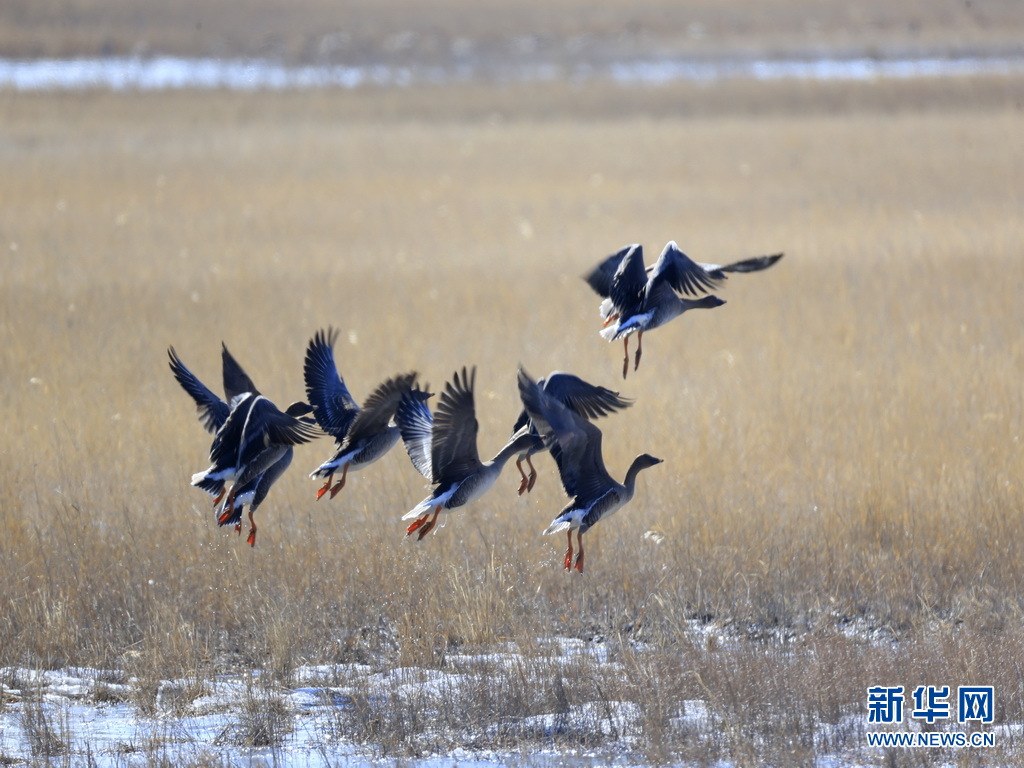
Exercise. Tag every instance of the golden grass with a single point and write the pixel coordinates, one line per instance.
(842, 440)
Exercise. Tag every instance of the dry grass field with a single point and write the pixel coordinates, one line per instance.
(841, 494)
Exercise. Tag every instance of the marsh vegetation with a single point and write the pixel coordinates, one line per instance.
(840, 500)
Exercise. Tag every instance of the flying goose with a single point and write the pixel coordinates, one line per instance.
(213, 413)
(593, 494)
(588, 400)
(443, 447)
(639, 298)
(253, 437)
(362, 435)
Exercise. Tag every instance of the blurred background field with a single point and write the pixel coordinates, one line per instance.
(362, 30)
(842, 439)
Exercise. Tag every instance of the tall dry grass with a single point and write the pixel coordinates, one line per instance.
(842, 440)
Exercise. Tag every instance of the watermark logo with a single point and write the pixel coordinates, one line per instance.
(975, 703)
(930, 704)
(885, 704)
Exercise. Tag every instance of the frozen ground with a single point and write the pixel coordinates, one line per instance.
(364, 714)
(170, 72)
(98, 718)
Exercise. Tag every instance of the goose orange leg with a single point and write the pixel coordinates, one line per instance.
(533, 474)
(422, 524)
(639, 349)
(219, 496)
(325, 487)
(251, 540)
(568, 551)
(525, 481)
(227, 511)
(611, 319)
(528, 480)
(579, 557)
(341, 483)
(229, 505)
(625, 360)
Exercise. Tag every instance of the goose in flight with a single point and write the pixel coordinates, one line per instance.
(213, 413)
(588, 400)
(252, 439)
(362, 435)
(639, 298)
(443, 447)
(593, 493)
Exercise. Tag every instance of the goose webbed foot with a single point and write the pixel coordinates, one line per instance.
(579, 557)
(341, 483)
(251, 538)
(325, 487)
(533, 475)
(423, 525)
(525, 480)
(528, 480)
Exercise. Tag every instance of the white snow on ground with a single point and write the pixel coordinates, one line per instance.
(172, 72)
(102, 719)
(93, 717)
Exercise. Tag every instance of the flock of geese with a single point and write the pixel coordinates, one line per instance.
(254, 441)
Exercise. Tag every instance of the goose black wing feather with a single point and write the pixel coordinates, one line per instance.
(755, 264)
(213, 411)
(332, 403)
(236, 380)
(600, 277)
(588, 400)
(380, 407)
(454, 450)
